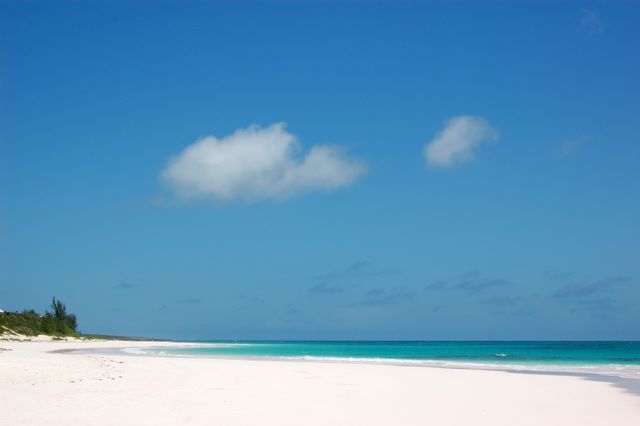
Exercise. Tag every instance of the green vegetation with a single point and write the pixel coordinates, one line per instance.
(56, 322)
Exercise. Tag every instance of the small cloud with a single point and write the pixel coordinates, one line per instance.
(508, 305)
(470, 287)
(501, 301)
(358, 268)
(438, 308)
(291, 311)
(599, 305)
(251, 298)
(436, 286)
(337, 281)
(389, 296)
(470, 274)
(584, 291)
(596, 308)
(557, 275)
(458, 141)
(191, 301)
(125, 286)
(289, 315)
(571, 147)
(258, 163)
(593, 298)
(590, 20)
(141, 204)
(327, 288)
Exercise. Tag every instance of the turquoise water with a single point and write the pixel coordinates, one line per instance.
(556, 353)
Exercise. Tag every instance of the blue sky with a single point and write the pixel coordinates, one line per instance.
(446, 171)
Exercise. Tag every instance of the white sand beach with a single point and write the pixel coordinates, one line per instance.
(38, 387)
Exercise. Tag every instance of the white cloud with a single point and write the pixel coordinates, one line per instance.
(257, 163)
(456, 143)
(573, 146)
(590, 19)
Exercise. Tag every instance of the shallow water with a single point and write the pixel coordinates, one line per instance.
(555, 353)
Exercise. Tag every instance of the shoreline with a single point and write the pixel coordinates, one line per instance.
(43, 386)
(629, 382)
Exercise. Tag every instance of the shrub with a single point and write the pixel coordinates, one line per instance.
(30, 323)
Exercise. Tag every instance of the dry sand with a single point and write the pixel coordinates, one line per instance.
(42, 388)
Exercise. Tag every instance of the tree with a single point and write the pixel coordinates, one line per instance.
(59, 319)
(59, 310)
(72, 321)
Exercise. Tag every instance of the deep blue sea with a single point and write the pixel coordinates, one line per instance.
(553, 352)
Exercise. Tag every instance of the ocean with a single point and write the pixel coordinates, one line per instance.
(493, 352)
(618, 358)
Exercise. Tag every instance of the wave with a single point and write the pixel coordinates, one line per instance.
(504, 356)
(617, 370)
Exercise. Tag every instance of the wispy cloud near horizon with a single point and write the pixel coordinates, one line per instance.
(124, 285)
(258, 163)
(470, 288)
(337, 281)
(582, 291)
(332, 282)
(596, 298)
(387, 296)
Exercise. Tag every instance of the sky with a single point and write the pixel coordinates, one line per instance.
(323, 170)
